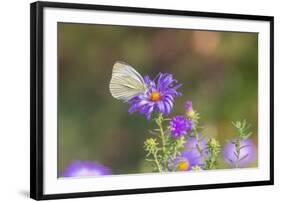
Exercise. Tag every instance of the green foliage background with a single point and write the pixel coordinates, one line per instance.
(219, 72)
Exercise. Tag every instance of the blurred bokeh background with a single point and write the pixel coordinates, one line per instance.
(219, 72)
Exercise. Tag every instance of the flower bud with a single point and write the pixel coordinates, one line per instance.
(189, 110)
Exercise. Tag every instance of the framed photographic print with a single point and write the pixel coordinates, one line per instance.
(134, 100)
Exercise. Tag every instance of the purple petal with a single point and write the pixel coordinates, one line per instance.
(165, 87)
(85, 168)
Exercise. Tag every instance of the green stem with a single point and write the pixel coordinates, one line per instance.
(162, 138)
(177, 147)
(237, 148)
(157, 162)
(174, 154)
(199, 144)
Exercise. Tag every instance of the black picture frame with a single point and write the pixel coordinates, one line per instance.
(37, 98)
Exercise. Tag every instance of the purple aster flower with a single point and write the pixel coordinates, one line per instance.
(85, 168)
(159, 96)
(247, 153)
(180, 126)
(191, 156)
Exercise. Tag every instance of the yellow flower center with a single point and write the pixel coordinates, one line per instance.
(155, 96)
(183, 165)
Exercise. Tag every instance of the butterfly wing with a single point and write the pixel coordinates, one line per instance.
(125, 82)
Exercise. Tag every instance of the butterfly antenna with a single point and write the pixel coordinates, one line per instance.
(157, 76)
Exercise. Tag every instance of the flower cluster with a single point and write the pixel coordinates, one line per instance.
(178, 145)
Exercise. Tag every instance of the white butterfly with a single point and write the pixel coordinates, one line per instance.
(126, 82)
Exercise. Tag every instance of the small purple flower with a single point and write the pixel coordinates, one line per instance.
(159, 96)
(191, 156)
(180, 126)
(85, 168)
(247, 153)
